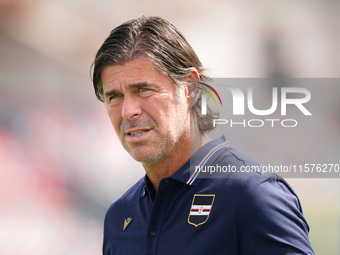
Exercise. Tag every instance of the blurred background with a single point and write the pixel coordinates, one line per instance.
(61, 164)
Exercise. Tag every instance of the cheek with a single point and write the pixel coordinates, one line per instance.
(168, 116)
(160, 110)
(115, 120)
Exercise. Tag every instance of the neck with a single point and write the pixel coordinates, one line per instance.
(181, 154)
(165, 168)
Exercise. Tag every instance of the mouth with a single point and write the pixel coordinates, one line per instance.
(137, 133)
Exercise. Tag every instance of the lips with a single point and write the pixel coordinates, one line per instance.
(138, 132)
(135, 132)
(137, 136)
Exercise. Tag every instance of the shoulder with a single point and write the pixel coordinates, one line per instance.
(251, 183)
(229, 163)
(268, 192)
(232, 156)
(269, 217)
(268, 213)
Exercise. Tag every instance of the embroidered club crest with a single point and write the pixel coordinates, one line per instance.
(200, 209)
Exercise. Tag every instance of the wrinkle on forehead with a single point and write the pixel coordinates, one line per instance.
(137, 71)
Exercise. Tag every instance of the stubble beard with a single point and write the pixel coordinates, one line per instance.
(171, 144)
(165, 145)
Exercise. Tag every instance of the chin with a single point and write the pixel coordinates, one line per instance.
(146, 156)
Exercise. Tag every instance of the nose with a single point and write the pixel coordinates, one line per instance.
(131, 109)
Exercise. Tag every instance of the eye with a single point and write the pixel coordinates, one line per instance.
(145, 92)
(112, 100)
(144, 89)
(114, 96)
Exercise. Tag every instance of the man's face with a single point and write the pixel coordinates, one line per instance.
(148, 112)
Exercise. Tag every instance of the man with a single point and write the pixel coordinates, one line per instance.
(147, 75)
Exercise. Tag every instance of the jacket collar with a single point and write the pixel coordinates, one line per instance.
(189, 172)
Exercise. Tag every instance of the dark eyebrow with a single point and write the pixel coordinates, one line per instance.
(131, 86)
(140, 85)
(110, 93)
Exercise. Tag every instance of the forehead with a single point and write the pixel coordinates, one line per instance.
(140, 70)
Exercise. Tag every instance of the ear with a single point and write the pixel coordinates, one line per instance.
(192, 89)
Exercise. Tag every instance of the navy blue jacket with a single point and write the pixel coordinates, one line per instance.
(232, 213)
